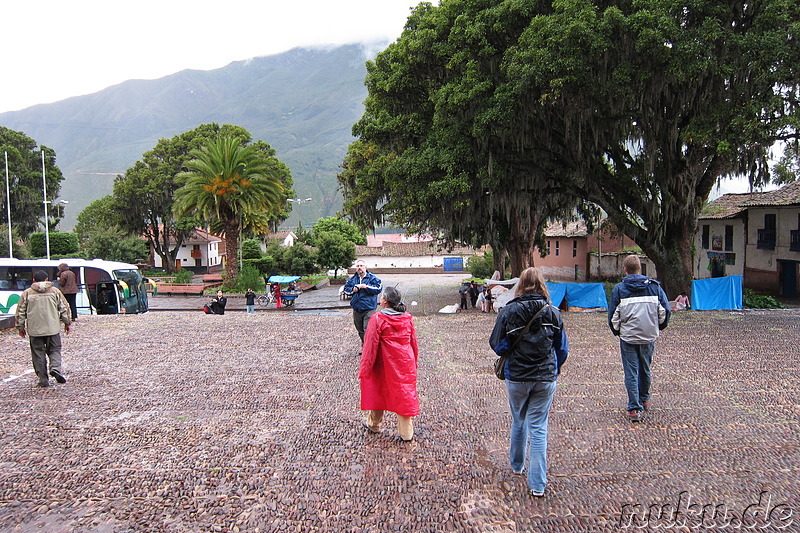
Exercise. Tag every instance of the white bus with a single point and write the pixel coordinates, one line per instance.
(104, 287)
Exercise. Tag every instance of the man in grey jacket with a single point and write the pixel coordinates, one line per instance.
(40, 311)
(639, 310)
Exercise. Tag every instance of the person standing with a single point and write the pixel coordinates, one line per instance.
(388, 370)
(40, 311)
(68, 285)
(638, 311)
(363, 288)
(250, 301)
(531, 371)
(462, 293)
(473, 293)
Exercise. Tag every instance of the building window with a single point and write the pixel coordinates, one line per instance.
(548, 247)
(706, 233)
(728, 238)
(767, 235)
(558, 243)
(574, 248)
(794, 237)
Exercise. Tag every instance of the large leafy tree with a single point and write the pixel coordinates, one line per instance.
(25, 180)
(649, 104)
(144, 195)
(640, 107)
(425, 158)
(232, 186)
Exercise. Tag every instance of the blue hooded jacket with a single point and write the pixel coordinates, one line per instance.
(363, 299)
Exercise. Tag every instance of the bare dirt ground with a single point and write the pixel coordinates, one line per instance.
(182, 422)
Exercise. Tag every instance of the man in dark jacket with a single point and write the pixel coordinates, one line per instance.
(69, 288)
(363, 288)
(639, 310)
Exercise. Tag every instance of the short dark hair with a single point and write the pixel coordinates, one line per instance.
(40, 275)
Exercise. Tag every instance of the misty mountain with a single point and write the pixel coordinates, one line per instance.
(302, 102)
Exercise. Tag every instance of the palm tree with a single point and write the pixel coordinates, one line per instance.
(230, 185)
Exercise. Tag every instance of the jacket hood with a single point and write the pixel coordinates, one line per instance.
(636, 282)
(41, 286)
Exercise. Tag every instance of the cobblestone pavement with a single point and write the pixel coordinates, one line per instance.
(182, 422)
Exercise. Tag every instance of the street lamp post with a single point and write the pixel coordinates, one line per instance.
(46, 216)
(8, 208)
(299, 201)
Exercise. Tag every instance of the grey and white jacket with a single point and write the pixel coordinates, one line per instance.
(639, 309)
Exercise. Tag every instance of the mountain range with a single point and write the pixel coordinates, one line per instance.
(302, 102)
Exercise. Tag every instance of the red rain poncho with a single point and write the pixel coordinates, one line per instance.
(388, 370)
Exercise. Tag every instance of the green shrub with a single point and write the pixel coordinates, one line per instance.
(184, 277)
(481, 267)
(249, 278)
(63, 244)
(760, 301)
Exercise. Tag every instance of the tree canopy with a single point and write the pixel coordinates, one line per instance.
(25, 180)
(231, 186)
(487, 117)
(144, 195)
(340, 226)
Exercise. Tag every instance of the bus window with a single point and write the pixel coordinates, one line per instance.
(23, 277)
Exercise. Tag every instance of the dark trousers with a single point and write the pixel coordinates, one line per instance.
(72, 305)
(361, 321)
(42, 349)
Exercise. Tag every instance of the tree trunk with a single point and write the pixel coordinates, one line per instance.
(520, 245)
(499, 259)
(231, 250)
(673, 260)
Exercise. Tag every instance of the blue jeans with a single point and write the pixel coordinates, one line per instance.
(530, 406)
(636, 360)
(250, 308)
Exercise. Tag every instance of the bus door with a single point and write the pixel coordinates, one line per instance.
(106, 297)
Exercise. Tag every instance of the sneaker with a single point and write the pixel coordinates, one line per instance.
(646, 404)
(58, 375)
(635, 415)
(536, 493)
(43, 383)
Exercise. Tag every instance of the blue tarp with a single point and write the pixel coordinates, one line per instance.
(283, 279)
(717, 293)
(587, 295)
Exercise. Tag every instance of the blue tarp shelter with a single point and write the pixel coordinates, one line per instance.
(587, 295)
(283, 279)
(717, 293)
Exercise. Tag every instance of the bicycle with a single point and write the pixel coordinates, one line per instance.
(265, 299)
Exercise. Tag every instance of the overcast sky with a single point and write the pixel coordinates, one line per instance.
(56, 48)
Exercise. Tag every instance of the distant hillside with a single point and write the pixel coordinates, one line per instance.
(302, 102)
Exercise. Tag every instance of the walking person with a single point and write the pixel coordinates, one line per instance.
(531, 371)
(638, 311)
(68, 285)
(363, 288)
(388, 370)
(250, 301)
(40, 311)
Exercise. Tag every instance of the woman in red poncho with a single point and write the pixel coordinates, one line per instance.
(388, 370)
